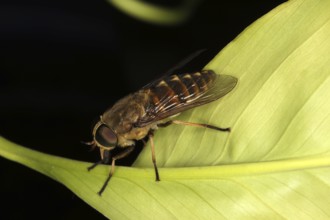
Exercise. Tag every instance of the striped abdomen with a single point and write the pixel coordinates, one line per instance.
(175, 90)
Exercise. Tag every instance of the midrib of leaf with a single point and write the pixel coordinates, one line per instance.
(49, 163)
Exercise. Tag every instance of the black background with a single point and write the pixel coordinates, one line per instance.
(63, 63)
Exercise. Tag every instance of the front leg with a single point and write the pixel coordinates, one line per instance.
(105, 160)
(123, 154)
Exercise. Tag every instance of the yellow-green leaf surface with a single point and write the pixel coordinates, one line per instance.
(275, 163)
(151, 13)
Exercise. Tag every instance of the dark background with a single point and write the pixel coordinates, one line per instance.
(63, 63)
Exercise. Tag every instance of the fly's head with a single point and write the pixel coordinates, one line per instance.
(104, 137)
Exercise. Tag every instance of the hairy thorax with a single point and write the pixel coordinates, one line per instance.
(124, 114)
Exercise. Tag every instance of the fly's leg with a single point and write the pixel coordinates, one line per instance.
(104, 160)
(153, 156)
(123, 154)
(178, 122)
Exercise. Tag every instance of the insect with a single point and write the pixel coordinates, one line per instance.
(139, 114)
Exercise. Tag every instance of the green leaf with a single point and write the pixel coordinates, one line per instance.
(147, 12)
(273, 165)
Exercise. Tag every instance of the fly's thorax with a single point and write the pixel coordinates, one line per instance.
(124, 114)
(124, 142)
(127, 111)
(137, 133)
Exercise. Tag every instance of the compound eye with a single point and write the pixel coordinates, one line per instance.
(105, 136)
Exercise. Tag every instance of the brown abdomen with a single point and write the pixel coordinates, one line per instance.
(178, 89)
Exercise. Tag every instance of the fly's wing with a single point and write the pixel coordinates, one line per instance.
(177, 93)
